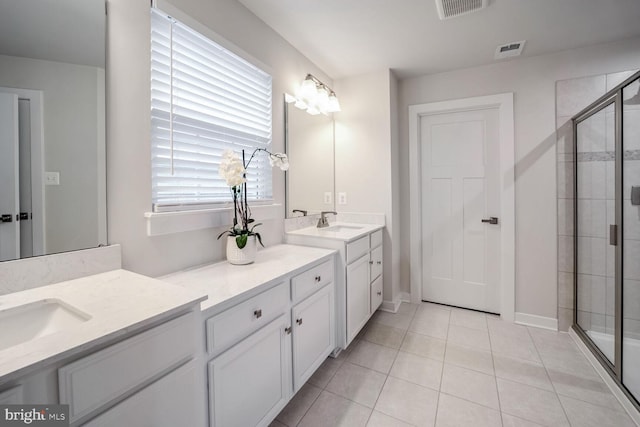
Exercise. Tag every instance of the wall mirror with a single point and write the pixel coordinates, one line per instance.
(52, 126)
(310, 147)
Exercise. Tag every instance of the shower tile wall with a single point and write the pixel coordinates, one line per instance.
(596, 205)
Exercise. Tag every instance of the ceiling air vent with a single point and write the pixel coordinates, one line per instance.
(510, 49)
(452, 8)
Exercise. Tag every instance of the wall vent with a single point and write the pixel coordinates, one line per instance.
(510, 49)
(452, 8)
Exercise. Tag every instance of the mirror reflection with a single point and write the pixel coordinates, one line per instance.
(310, 147)
(52, 126)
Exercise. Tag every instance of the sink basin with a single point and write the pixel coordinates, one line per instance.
(37, 319)
(337, 228)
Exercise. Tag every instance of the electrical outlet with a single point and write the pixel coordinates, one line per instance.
(342, 198)
(52, 178)
(327, 198)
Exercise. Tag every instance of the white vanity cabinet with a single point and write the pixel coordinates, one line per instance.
(265, 343)
(94, 382)
(359, 278)
(363, 281)
(147, 380)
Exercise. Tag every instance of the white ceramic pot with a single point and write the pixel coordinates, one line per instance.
(238, 256)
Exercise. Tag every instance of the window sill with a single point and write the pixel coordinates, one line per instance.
(160, 223)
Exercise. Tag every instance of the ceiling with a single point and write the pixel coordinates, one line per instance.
(352, 37)
(71, 31)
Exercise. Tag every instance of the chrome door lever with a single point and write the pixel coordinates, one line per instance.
(491, 220)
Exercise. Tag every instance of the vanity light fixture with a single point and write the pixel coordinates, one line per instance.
(315, 97)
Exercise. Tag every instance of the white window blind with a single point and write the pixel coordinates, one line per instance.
(204, 100)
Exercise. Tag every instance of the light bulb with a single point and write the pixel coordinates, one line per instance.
(333, 104)
(323, 99)
(308, 89)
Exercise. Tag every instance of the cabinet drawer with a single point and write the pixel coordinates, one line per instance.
(357, 248)
(376, 238)
(96, 380)
(376, 294)
(230, 326)
(311, 280)
(375, 262)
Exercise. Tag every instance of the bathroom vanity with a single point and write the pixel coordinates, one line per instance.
(359, 290)
(267, 327)
(86, 343)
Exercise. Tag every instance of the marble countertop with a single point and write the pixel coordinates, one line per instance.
(118, 302)
(226, 284)
(349, 232)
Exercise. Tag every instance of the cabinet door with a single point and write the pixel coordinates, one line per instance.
(313, 334)
(251, 382)
(170, 401)
(376, 294)
(357, 296)
(376, 262)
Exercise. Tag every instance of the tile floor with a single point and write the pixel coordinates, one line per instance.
(431, 365)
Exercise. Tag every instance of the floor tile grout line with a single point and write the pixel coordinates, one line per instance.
(308, 409)
(535, 346)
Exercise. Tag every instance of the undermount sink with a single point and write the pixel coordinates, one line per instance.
(338, 228)
(37, 319)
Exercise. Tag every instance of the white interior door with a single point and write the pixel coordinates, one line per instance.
(461, 188)
(9, 194)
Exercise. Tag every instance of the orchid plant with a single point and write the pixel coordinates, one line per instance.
(234, 171)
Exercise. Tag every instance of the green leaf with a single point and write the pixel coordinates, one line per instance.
(259, 238)
(223, 233)
(254, 226)
(241, 240)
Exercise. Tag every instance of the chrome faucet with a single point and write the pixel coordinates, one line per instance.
(302, 211)
(323, 222)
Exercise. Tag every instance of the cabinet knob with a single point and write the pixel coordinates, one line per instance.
(379, 262)
(287, 330)
(299, 321)
(258, 313)
(371, 262)
(318, 278)
(379, 292)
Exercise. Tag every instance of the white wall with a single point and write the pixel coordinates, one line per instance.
(128, 131)
(365, 130)
(533, 82)
(72, 101)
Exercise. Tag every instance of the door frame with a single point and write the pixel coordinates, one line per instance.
(35, 98)
(504, 103)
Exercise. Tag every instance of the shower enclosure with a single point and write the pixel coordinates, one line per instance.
(607, 232)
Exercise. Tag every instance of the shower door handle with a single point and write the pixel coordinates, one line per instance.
(491, 220)
(613, 234)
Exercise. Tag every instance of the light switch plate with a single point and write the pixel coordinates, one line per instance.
(52, 178)
(342, 198)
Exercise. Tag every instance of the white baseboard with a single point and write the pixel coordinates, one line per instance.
(537, 321)
(391, 306)
(613, 386)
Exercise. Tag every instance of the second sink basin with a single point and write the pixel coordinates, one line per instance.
(338, 228)
(37, 319)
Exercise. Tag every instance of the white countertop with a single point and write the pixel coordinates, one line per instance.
(226, 283)
(118, 302)
(352, 231)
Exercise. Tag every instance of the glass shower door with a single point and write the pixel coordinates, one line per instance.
(595, 211)
(631, 237)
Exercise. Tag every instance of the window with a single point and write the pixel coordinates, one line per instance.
(204, 100)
